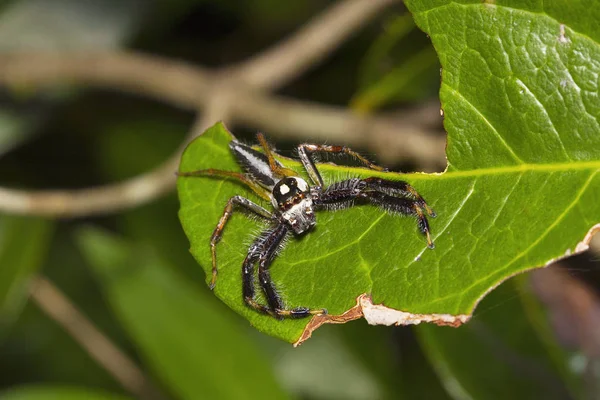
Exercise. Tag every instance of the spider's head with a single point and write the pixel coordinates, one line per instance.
(291, 196)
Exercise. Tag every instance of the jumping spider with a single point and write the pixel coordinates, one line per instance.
(295, 203)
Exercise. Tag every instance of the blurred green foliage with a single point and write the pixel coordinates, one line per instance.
(131, 273)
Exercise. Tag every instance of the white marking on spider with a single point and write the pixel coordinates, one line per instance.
(255, 161)
(284, 189)
(302, 185)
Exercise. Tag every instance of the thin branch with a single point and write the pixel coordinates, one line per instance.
(391, 138)
(290, 58)
(96, 200)
(192, 87)
(173, 82)
(58, 307)
(108, 198)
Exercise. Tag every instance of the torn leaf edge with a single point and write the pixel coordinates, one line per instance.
(378, 314)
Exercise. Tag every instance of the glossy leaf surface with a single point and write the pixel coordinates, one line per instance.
(520, 94)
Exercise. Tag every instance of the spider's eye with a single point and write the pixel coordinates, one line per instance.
(290, 189)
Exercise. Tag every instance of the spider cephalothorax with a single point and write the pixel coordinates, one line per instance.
(292, 197)
(295, 203)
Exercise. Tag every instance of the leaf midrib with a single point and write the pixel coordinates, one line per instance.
(506, 169)
(525, 251)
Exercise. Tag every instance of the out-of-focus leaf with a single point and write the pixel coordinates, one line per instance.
(156, 223)
(193, 348)
(29, 25)
(37, 349)
(393, 84)
(416, 375)
(59, 25)
(394, 358)
(14, 130)
(326, 369)
(498, 354)
(23, 245)
(541, 313)
(378, 57)
(46, 392)
(395, 69)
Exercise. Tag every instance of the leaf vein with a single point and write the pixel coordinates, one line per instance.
(524, 252)
(543, 109)
(487, 122)
(513, 9)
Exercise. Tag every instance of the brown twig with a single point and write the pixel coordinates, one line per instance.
(58, 307)
(290, 58)
(392, 138)
(96, 200)
(173, 82)
(108, 198)
(191, 87)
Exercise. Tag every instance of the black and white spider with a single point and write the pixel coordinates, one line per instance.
(295, 203)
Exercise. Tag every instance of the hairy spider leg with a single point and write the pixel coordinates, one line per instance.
(263, 251)
(400, 188)
(305, 151)
(343, 194)
(255, 187)
(402, 206)
(218, 232)
(273, 164)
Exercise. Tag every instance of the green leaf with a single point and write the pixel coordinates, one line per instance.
(23, 245)
(501, 337)
(521, 99)
(196, 348)
(46, 392)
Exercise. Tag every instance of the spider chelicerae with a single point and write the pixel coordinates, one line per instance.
(295, 203)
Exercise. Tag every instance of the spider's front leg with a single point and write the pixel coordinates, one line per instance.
(392, 196)
(306, 151)
(263, 251)
(218, 232)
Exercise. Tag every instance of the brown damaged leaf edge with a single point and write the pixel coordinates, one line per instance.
(378, 314)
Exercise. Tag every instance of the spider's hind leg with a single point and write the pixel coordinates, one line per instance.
(263, 251)
(306, 151)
